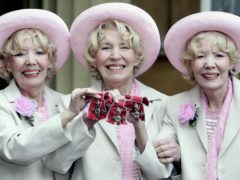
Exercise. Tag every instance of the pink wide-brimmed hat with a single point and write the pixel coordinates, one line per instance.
(183, 30)
(141, 22)
(45, 21)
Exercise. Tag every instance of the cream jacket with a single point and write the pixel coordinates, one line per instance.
(95, 153)
(194, 142)
(23, 146)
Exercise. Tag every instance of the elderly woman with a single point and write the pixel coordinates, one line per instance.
(116, 47)
(205, 48)
(31, 51)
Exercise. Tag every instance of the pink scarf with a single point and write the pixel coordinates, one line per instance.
(126, 137)
(42, 112)
(215, 142)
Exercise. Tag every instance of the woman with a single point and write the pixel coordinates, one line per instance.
(204, 119)
(116, 48)
(31, 52)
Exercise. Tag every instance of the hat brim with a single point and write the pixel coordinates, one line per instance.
(47, 22)
(183, 30)
(138, 19)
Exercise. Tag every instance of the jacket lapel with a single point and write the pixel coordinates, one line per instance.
(51, 103)
(12, 92)
(108, 128)
(151, 96)
(201, 127)
(232, 124)
(111, 132)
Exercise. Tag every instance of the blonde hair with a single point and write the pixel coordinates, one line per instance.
(222, 42)
(127, 34)
(14, 45)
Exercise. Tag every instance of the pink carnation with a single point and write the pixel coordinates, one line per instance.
(25, 106)
(187, 113)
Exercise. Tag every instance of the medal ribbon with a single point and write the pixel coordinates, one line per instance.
(104, 107)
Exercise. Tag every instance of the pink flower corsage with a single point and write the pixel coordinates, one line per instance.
(25, 108)
(188, 114)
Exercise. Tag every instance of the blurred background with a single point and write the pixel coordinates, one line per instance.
(161, 76)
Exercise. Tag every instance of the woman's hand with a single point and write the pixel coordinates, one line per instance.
(78, 99)
(77, 103)
(167, 150)
(116, 95)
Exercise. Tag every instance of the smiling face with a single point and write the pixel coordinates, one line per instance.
(28, 59)
(115, 52)
(115, 59)
(211, 64)
(29, 66)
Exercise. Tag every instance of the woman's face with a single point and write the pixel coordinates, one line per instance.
(115, 59)
(211, 66)
(29, 67)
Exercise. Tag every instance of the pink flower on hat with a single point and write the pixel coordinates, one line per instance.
(25, 108)
(188, 114)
